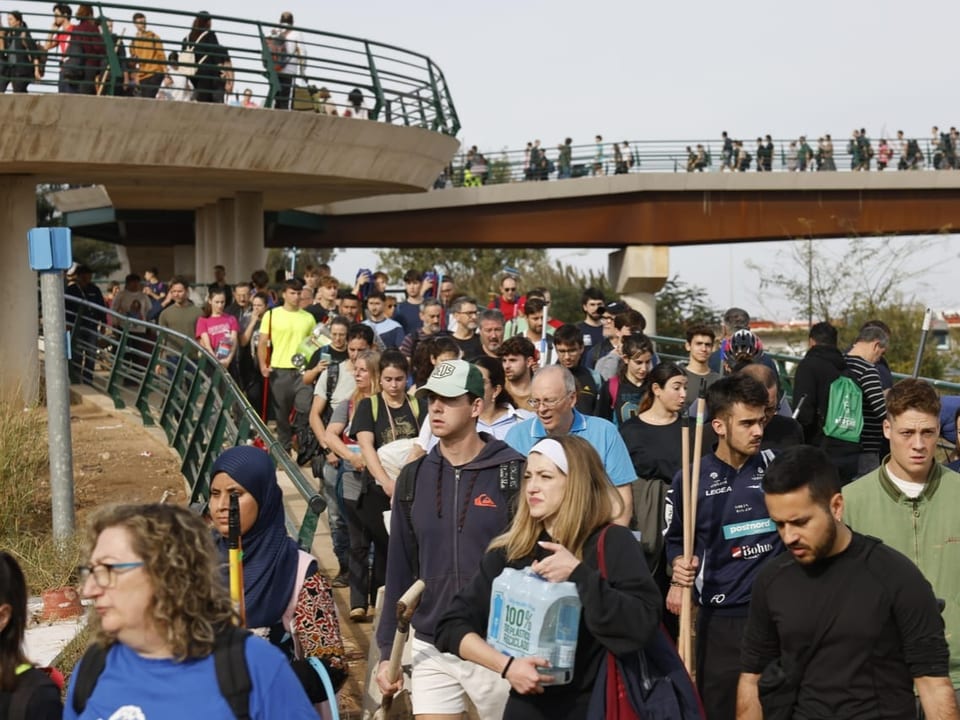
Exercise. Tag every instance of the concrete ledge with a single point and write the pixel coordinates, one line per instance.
(610, 185)
(156, 154)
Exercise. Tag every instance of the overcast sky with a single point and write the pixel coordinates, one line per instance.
(528, 69)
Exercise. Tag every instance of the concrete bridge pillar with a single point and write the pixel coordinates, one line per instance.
(637, 272)
(19, 357)
(223, 250)
(205, 234)
(249, 254)
(184, 262)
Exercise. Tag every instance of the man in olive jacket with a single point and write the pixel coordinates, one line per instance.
(910, 502)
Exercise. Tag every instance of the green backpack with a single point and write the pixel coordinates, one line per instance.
(844, 418)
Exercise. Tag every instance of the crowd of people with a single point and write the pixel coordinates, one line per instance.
(81, 47)
(503, 441)
(938, 152)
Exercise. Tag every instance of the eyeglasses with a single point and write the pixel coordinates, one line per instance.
(606, 319)
(105, 574)
(509, 289)
(467, 312)
(536, 404)
(568, 351)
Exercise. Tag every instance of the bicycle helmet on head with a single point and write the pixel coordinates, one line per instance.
(744, 345)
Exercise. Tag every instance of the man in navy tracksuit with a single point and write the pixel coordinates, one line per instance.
(734, 535)
(459, 505)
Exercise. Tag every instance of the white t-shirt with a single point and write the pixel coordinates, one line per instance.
(908, 487)
(294, 45)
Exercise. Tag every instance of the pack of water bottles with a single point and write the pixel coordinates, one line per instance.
(530, 616)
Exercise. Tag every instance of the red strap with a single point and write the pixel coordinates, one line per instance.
(601, 554)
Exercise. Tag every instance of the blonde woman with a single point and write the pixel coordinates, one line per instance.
(337, 437)
(566, 501)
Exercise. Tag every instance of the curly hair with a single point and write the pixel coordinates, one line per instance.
(590, 501)
(191, 603)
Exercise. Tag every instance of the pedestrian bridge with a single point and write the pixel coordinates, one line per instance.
(659, 209)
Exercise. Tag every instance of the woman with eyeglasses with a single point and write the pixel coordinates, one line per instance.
(24, 689)
(564, 510)
(286, 598)
(620, 396)
(159, 610)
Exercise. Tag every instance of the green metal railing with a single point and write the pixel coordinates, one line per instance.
(397, 86)
(671, 348)
(179, 387)
(670, 156)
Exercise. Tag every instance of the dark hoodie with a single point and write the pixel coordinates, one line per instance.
(456, 513)
(820, 366)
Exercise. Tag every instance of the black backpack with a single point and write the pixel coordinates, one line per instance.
(28, 683)
(74, 66)
(406, 490)
(229, 659)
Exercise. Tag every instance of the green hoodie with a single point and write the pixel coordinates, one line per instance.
(926, 529)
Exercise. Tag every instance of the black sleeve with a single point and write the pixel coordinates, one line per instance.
(804, 384)
(470, 608)
(916, 613)
(622, 611)
(363, 419)
(605, 402)
(45, 703)
(761, 644)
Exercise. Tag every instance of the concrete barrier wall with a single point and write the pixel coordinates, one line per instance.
(156, 154)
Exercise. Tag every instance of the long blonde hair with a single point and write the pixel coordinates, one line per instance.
(371, 358)
(589, 502)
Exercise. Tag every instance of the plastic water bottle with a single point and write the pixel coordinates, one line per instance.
(532, 617)
(224, 348)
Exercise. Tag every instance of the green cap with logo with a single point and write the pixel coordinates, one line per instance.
(453, 378)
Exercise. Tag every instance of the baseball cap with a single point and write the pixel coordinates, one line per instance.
(616, 307)
(453, 378)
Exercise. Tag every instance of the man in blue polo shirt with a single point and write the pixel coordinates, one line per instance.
(553, 396)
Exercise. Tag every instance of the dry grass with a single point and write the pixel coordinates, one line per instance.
(25, 520)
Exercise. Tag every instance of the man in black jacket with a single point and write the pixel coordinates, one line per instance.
(443, 519)
(821, 365)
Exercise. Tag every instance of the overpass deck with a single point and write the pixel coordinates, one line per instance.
(653, 209)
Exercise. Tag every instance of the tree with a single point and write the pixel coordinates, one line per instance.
(98, 255)
(827, 280)
(680, 305)
(279, 258)
(905, 320)
(476, 272)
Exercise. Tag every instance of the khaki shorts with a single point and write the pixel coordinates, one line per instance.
(440, 680)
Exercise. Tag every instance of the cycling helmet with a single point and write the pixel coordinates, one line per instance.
(744, 345)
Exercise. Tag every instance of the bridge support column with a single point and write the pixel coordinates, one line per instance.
(184, 262)
(19, 357)
(205, 233)
(249, 253)
(637, 272)
(226, 237)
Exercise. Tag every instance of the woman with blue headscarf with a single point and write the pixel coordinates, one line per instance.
(287, 599)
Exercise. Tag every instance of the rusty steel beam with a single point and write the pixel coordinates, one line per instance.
(656, 218)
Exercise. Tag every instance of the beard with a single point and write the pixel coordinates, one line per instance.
(821, 549)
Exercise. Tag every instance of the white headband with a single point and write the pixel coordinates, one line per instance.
(553, 450)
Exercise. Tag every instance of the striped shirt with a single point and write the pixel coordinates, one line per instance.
(874, 403)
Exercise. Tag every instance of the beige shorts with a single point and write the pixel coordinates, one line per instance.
(440, 680)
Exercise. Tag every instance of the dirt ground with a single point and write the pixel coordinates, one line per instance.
(116, 459)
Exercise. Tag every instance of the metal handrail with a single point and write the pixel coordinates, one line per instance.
(385, 74)
(177, 385)
(510, 165)
(786, 365)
